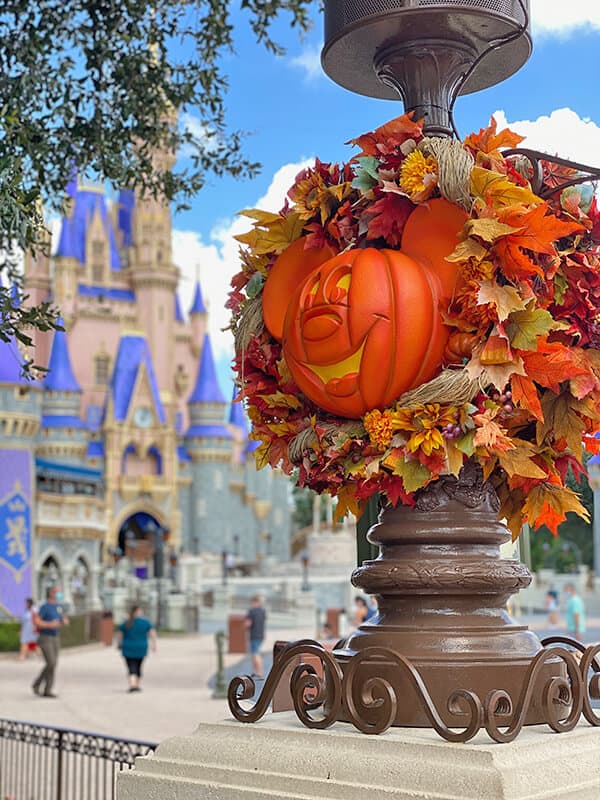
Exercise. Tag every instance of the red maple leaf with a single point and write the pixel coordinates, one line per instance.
(391, 213)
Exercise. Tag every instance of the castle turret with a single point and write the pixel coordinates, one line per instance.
(37, 286)
(63, 433)
(209, 443)
(198, 319)
(238, 425)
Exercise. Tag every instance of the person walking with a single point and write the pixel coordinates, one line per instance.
(28, 635)
(574, 612)
(133, 638)
(255, 624)
(48, 621)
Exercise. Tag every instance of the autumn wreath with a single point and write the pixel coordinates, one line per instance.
(420, 306)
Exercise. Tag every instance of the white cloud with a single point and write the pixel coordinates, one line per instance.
(562, 133)
(217, 260)
(564, 16)
(309, 61)
(207, 140)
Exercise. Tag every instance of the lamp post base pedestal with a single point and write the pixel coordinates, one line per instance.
(277, 759)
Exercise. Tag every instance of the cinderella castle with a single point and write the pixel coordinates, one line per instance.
(127, 446)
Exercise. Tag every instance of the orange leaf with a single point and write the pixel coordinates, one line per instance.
(548, 504)
(525, 395)
(551, 364)
(391, 135)
(488, 140)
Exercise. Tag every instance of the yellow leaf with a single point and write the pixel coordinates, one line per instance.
(518, 461)
(505, 298)
(470, 248)
(455, 457)
(346, 502)
(489, 229)
(548, 504)
(261, 455)
(263, 218)
(275, 236)
(562, 420)
(279, 399)
(498, 190)
(281, 428)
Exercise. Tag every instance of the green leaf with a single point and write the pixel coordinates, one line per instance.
(465, 443)
(414, 475)
(524, 327)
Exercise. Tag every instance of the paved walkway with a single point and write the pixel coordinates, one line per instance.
(91, 684)
(177, 693)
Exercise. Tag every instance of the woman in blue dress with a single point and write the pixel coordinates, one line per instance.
(133, 643)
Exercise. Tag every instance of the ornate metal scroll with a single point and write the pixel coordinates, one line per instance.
(370, 702)
(572, 173)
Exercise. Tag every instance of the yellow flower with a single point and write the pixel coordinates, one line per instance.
(378, 425)
(426, 423)
(418, 176)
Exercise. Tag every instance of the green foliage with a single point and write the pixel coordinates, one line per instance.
(98, 85)
(9, 637)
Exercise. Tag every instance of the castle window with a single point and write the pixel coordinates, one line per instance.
(97, 273)
(102, 364)
(98, 261)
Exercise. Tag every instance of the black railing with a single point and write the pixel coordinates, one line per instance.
(45, 762)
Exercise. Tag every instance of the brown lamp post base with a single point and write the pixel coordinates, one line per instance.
(443, 652)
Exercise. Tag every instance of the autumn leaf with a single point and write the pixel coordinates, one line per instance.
(261, 455)
(263, 218)
(346, 502)
(466, 250)
(548, 504)
(391, 213)
(489, 140)
(489, 229)
(525, 326)
(550, 365)
(525, 395)
(414, 474)
(563, 418)
(519, 461)
(393, 134)
(498, 375)
(498, 191)
(275, 237)
(279, 399)
(456, 458)
(538, 232)
(506, 299)
(489, 434)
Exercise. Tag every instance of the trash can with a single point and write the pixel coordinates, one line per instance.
(333, 620)
(236, 634)
(107, 628)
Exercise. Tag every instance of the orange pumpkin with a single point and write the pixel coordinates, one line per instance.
(287, 273)
(365, 326)
(460, 346)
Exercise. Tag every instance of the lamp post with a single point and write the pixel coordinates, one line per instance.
(305, 562)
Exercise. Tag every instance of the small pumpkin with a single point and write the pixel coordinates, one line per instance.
(460, 346)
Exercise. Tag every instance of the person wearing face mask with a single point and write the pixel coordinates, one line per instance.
(49, 620)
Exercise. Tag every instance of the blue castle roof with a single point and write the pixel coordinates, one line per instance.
(60, 377)
(126, 205)
(11, 362)
(86, 203)
(198, 306)
(237, 415)
(207, 389)
(133, 353)
(178, 311)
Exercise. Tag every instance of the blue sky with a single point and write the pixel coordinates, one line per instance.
(294, 113)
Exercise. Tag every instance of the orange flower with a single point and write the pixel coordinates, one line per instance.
(426, 423)
(418, 176)
(379, 426)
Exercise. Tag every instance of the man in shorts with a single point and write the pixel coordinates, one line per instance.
(255, 625)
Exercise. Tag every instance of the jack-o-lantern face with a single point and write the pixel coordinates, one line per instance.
(365, 326)
(362, 329)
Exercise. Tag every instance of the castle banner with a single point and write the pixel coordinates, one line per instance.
(15, 531)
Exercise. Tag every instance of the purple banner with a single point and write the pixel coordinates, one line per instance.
(16, 534)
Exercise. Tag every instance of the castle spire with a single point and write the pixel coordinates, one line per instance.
(198, 306)
(207, 389)
(60, 377)
(178, 311)
(237, 415)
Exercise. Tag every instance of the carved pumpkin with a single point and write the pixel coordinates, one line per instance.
(287, 273)
(365, 326)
